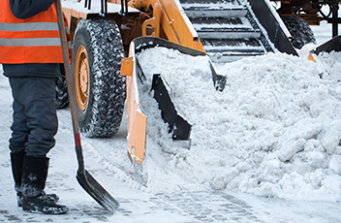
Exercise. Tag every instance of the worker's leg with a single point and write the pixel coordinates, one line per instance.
(36, 95)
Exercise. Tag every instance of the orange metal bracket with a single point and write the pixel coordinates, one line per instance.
(127, 66)
(154, 22)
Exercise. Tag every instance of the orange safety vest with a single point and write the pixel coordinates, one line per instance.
(32, 40)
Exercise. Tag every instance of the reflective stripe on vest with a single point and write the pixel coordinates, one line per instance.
(31, 42)
(24, 27)
(34, 26)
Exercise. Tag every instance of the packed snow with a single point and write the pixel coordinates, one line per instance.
(274, 131)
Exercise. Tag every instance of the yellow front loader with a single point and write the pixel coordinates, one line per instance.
(107, 35)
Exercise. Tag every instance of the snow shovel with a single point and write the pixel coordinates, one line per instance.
(89, 184)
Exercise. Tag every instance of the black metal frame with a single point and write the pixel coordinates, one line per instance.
(104, 7)
(124, 8)
(335, 20)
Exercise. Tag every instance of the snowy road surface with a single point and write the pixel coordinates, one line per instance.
(107, 161)
(137, 206)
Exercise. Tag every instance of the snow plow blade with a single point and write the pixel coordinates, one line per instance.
(137, 121)
(329, 46)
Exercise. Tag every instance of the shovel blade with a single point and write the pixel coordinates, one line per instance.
(96, 191)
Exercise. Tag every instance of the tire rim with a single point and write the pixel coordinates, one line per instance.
(82, 77)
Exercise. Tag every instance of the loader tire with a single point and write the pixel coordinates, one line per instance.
(300, 31)
(100, 89)
(61, 100)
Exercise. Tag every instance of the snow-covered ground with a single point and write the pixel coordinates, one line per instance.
(266, 149)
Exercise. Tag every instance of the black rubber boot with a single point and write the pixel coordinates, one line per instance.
(53, 198)
(17, 160)
(33, 183)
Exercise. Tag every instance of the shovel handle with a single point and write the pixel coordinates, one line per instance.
(89, 184)
(70, 85)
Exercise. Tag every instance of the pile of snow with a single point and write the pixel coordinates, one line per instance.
(274, 131)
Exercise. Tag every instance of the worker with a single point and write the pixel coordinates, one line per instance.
(31, 55)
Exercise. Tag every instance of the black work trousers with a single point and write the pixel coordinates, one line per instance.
(35, 120)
